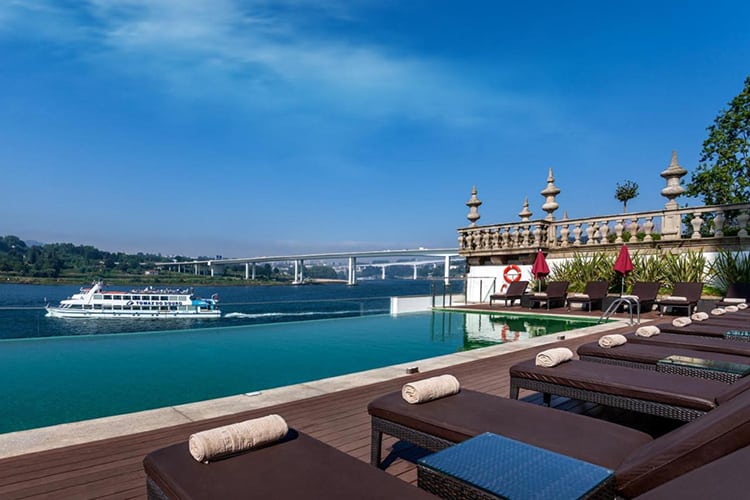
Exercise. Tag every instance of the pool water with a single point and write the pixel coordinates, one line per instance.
(64, 379)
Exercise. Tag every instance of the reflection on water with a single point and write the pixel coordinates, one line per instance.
(482, 330)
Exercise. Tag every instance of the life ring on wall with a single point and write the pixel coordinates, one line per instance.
(512, 273)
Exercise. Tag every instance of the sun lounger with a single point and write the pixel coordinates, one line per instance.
(694, 342)
(685, 295)
(640, 463)
(296, 467)
(662, 394)
(735, 291)
(514, 292)
(593, 295)
(717, 329)
(678, 360)
(555, 293)
(725, 477)
(645, 293)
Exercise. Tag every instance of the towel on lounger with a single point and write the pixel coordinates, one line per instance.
(428, 389)
(553, 357)
(612, 340)
(699, 316)
(718, 311)
(234, 438)
(734, 300)
(742, 306)
(647, 331)
(731, 309)
(681, 321)
(578, 296)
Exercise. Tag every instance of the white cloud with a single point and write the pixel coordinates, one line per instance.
(264, 54)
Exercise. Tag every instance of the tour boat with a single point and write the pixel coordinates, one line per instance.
(148, 302)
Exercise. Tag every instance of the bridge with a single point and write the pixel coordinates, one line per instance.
(217, 266)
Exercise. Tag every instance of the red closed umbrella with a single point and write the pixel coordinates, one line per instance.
(540, 269)
(623, 265)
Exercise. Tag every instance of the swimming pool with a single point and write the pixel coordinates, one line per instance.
(64, 379)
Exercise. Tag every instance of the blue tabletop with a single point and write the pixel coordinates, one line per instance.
(512, 469)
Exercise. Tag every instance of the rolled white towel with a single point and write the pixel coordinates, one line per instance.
(681, 321)
(230, 439)
(647, 331)
(675, 298)
(428, 389)
(734, 300)
(699, 316)
(578, 296)
(731, 309)
(612, 340)
(742, 305)
(553, 357)
(540, 294)
(718, 311)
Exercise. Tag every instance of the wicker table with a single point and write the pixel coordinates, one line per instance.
(492, 466)
(703, 368)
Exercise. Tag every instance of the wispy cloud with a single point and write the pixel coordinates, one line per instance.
(260, 53)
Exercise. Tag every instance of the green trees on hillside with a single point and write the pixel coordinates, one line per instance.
(723, 174)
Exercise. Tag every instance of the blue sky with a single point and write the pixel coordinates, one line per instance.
(264, 127)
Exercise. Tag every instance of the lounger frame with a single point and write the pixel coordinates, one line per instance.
(638, 405)
(401, 432)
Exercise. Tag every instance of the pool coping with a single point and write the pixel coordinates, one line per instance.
(68, 434)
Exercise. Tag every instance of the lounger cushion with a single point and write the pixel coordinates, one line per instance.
(651, 354)
(707, 438)
(469, 413)
(674, 390)
(298, 466)
(726, 477)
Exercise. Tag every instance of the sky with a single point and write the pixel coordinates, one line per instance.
(274, 127)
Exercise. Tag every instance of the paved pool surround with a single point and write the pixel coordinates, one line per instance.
(57, 436)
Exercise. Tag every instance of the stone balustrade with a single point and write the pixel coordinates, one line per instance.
(667, 226)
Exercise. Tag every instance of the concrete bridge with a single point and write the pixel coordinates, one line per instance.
(217, 266)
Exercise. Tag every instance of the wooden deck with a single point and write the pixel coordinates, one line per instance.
(112, 468)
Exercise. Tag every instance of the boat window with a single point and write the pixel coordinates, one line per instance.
(117, 297)
(107, 297)
(174, 298)
(127, 297)
(136, 297)
(163, 297)
(97, 296)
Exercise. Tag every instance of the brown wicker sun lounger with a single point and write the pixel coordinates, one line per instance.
(593, 295)
(707, 328)
(690, 293)
(555, 294)
(637, 467)
(735, 291)
(725, 477)
(695, 342)
(646, 293)
(662, 394)
(296, 467)
(514, 292)
(709, 365)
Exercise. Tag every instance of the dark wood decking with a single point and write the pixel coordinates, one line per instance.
(112, 468)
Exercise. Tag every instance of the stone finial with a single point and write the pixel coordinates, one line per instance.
(565, 215)
(525, 214)
(672, 174)
(549, 193)
(473, 205)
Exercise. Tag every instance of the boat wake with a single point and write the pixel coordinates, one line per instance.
(297, 314)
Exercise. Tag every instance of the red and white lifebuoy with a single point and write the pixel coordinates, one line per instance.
(512, 273)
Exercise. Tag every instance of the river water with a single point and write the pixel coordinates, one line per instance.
(22, 313)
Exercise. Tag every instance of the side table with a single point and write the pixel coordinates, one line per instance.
(489, 466)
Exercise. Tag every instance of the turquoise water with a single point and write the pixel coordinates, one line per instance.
(63, 379)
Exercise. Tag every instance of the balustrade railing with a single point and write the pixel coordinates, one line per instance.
(684, 223)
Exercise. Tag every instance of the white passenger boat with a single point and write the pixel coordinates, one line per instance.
(95, 302)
